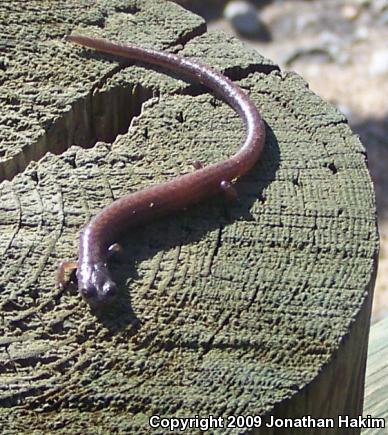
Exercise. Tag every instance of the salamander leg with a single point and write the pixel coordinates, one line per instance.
(197, 164)
(228, 190)
(66, 274)
(115, 252)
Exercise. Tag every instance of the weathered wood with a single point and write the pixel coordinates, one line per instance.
(376, 382)
(256, 308)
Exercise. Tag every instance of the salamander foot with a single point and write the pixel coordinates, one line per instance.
(66, 274)
(230, 193)
(115, 252)
(197, 165)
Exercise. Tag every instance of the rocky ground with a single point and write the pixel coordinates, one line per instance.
(340, 48)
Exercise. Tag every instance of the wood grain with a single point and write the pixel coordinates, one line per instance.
(258, 307)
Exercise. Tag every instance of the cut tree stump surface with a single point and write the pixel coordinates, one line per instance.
(256, 307)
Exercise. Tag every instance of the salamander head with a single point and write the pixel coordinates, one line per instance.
(95, 285)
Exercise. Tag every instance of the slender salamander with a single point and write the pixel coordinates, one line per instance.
(99, 236)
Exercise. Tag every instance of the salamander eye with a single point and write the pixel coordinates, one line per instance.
(110, 289)
(88, 292)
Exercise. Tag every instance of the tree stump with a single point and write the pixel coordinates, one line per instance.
(376, 382)
(256, 308)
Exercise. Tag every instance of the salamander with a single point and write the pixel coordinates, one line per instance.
(98, 238)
